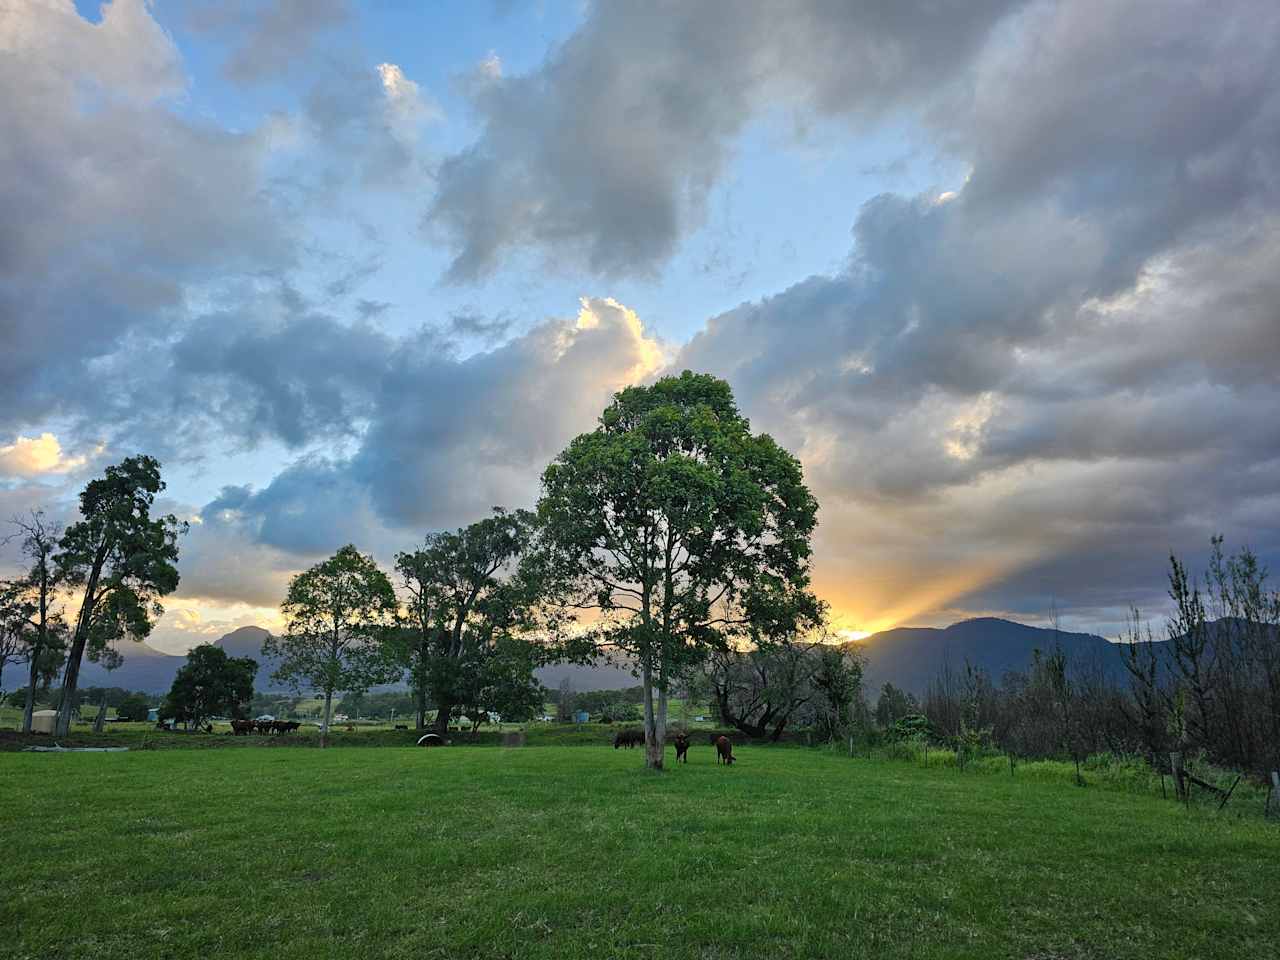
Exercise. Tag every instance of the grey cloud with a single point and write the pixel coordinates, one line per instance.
(121, 203)
(266, 38)
(605, 155)
(449, 438)
(1068, 367)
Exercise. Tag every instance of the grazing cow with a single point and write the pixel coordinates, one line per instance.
(262, 726)
(682, 747)
(241, 728)
(724, 750)
(628, 739)
(285, 726)
(402, 726)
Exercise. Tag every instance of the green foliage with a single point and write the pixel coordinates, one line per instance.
(210, 684)
(339, 616)
(463, 642)
(681, 528)
(134, 707)
(913, 726)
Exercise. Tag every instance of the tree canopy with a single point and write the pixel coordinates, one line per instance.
(339, 618)
(209, 684)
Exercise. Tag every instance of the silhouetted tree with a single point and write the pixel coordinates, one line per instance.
(121, 560)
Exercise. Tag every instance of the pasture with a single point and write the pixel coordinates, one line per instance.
(578, 852)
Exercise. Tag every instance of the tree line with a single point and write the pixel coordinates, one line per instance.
(112, 567)
(669, 533)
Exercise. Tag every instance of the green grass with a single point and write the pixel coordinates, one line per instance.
(571, 852)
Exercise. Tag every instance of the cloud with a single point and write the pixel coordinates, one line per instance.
(606, 154)
(266, 38)
(35, 456)
(91, 145)
(448, 438)
(1066, 367)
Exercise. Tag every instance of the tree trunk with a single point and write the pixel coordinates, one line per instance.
(652, 752)
(31, 692)
(328, 705)
(422, 707)
(101, 718)
(443, 713)
(42, 634)
(69, 679)
(72, 675)
(660, 725)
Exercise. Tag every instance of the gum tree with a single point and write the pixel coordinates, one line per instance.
(121, 560)
(462, 638)
(673, 531)
(339, 618)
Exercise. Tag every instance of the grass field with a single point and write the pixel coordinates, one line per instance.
(577, 852)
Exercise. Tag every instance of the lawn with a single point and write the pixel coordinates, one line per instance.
(578, 852)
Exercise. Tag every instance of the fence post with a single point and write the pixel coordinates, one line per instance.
(1175, 767)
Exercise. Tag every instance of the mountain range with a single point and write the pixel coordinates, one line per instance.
(907, 657)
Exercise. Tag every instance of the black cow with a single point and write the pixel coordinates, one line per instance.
(628, 739)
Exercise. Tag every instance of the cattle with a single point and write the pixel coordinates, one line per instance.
(263, 726)
(402, 726)
(285, 726)
(682, 747)
(628, 739)
(242, 727)
(724, 750)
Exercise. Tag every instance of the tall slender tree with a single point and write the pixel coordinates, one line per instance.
(340, 616)
(122, 560)
(45, 635)
(680, 531)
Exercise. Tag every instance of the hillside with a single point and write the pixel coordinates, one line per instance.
(911, 657)
(151, 670)
(907, 657)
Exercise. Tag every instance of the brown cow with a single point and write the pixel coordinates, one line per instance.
(724, 750)
(241, 728)
(682, 747)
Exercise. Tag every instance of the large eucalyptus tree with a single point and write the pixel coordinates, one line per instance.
(680, 531)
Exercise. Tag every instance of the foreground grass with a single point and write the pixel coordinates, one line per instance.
(573, 852)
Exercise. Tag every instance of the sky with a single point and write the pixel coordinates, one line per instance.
(1005, 276)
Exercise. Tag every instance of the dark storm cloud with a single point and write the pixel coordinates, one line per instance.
(606, 154)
